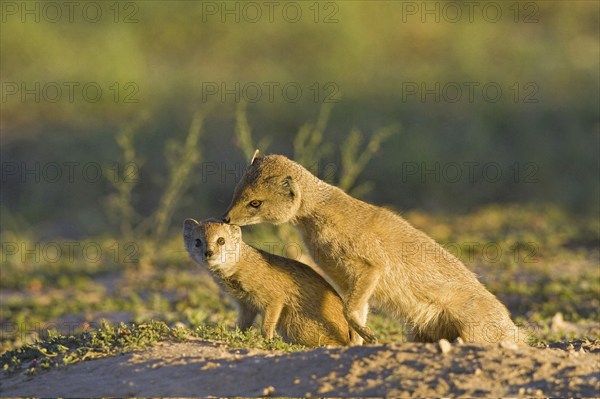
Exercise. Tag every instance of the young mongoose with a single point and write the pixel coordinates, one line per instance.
(292, 298)
(372, 254)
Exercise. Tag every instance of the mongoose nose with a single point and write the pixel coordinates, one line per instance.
(209, 253)
(226, 219)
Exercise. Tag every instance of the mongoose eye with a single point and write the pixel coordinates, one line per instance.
(255, 203)
(198, 243)
(221, 241)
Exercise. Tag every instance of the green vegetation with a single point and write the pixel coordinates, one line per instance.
(108, 340)
(60, 349)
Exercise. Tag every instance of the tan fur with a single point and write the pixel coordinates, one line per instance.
(373, 255)
(293, 299)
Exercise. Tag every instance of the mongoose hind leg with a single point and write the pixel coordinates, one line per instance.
(246, 316)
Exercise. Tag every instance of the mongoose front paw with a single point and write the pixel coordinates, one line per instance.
(364, 332)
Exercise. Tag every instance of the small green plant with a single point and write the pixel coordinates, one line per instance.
(243, 132)
(355, 158)
(309, 147)
(119, 206)
(181, 161)
(236, 338)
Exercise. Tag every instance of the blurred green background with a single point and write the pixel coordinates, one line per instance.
(432, 68)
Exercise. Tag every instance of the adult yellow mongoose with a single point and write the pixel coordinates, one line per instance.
(372, 255)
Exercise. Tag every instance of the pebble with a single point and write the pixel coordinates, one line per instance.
(268, 391)
(509, 345)
(445, 346)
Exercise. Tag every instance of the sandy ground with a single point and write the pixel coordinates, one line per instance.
(198, 368)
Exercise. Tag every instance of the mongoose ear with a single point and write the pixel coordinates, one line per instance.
(290, 186)
(254, 157)
(189, 224)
